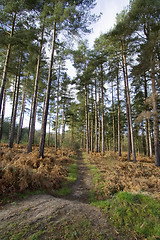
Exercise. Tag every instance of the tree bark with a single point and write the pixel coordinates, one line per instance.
(2, 115)
(129, 110)
(86, 116)
(91, 121)
(21, 116)
(35, 95)
(128, 102)
(146, 121)
(150, 140)
(99, 125)
(46, 106)
(14, 98)
(96, 118)
(91, 135)
(143, 141)
(113, 120)
(13, 120)
(155, 113)
(49, 133)
(57, 115)
(102, 111)
(4, 77)
(63, 130)
(119, 120)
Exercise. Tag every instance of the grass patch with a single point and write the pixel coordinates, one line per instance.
(98, 191)
(30, 231)
(67, 229)
(73, 171)
(136, 212)
(97, 175)
(71, 178)
(78, 229)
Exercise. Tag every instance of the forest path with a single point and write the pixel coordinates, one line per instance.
(83, 186)
(48, 217)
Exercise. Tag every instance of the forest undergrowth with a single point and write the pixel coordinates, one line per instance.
(119, 174)
(128, 193)
(21, 172)
(125, 191)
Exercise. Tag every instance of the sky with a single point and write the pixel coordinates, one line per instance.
(109, 9)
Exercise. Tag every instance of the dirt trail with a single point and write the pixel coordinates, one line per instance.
(82, 187)
(47, 217)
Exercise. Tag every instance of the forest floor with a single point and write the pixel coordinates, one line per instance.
(73, 216)
(47, 217)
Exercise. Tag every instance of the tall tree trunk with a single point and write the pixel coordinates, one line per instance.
(49, 133)
(35, 97)
(127, 111)
(57, 115)
(86, 116)
(99, 124)
(91, 122)
(21, 116)
(155, 113)
(102, 111)
(96, 118)
(63, 130)
(146, 121)
(46, 106)
(13, 120)
(129, 105)
(91, 135)
(4, 77)
(2, 115)
(147, 137)
(35, 118)
(129, 108)
(119, 120)
(14, 99)
(113, 120)
(143, 141)
(150, 140)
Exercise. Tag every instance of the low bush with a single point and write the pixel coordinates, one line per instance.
(20, 171)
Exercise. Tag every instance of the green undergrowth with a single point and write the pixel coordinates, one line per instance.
(98, 191)
(70, 179)
(134, 212)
